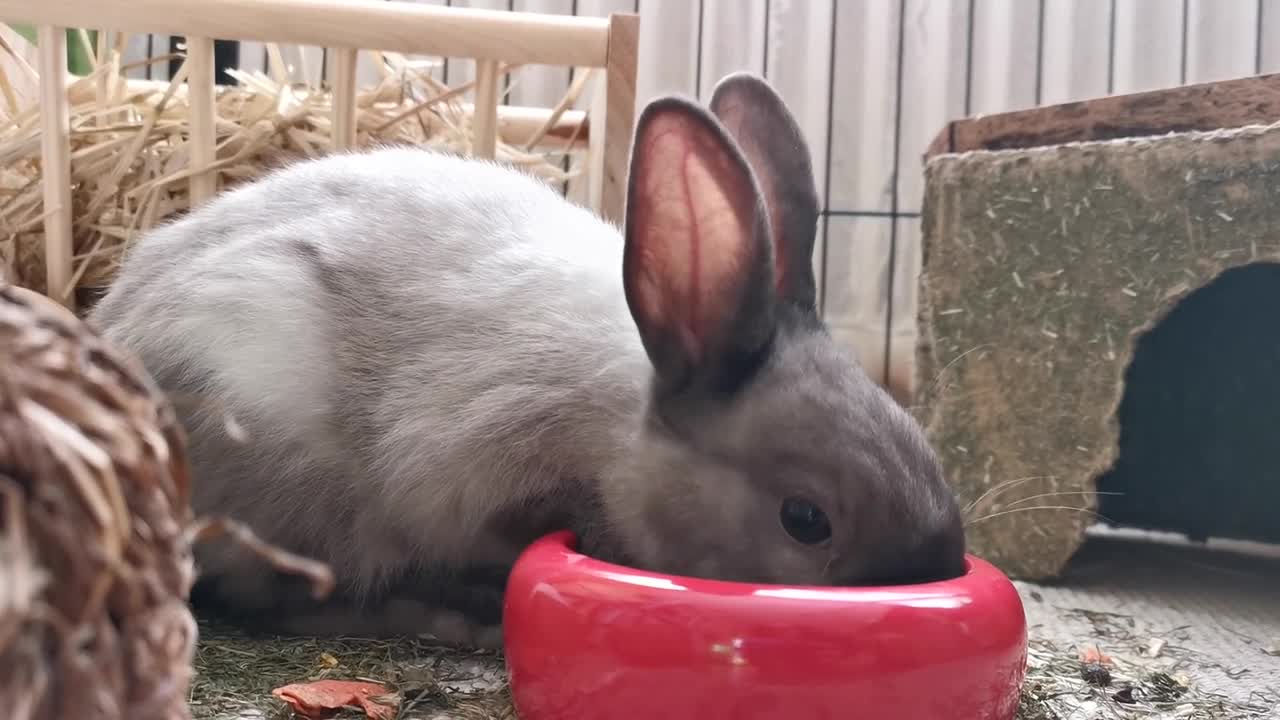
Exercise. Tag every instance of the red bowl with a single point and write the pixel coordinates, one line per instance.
(587, 640)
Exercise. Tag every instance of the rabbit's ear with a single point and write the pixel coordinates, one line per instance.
(758, 119)
(698, 265)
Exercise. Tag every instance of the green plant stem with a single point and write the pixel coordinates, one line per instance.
(79, 60)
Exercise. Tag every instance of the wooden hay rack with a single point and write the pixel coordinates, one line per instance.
(494, 39)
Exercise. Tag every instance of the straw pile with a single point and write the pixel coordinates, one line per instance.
(95, 561)
(130, 148)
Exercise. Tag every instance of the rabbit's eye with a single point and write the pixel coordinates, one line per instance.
(804, 521)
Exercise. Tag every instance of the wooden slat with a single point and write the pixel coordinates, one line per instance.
(934, 77)
(1076, 56)
(1269, 53)
(516, 125)
(462, 69)
(314, 63)
(864, 108)
(344, 98)
(302, 64)
(934, 47)
(397, 26)
(857, 292)
(203, 121)
(135, 51)
(1205, 106)
(484, 123)
(798, 63)
(161, 45)
(369, 72)
(1148, 47)
(733, 39)
(668, 30)
(578, 189)
(55, 153)
(820, 264)
(799, 66)
(620, 113)
(904, 304)
(539, 85)
(1222, 40)
(596, 147)
(253, 56)
(1006, 37)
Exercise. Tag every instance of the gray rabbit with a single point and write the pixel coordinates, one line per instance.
(434, 360)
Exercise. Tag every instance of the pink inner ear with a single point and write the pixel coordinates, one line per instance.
(692, 237)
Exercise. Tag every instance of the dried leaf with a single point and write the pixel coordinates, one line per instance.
(1093, 655)
(322, 698)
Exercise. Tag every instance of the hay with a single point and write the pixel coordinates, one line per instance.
(235, 674)
(95, 565)
(1060, 685)
(131, 147)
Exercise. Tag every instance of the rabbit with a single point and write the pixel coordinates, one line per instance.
(432, 360)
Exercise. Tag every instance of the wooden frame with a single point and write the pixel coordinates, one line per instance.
(492, 38)
(1203, 106)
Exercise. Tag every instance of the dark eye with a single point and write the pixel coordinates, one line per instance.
(804, 521)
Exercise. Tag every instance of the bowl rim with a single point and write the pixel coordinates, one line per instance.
(565, 544)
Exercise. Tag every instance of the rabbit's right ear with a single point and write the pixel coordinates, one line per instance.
(698, 263)
(756, 117)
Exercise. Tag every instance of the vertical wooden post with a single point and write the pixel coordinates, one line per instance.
(344, 98)
(55, 154)
(598, 111)
(200, 91)
(620, 112)
(484, 123)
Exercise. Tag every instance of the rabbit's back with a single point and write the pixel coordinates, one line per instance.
(409, 341)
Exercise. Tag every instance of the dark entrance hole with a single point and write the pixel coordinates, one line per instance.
(1200, 416)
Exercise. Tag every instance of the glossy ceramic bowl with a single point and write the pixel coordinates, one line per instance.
(586, 640)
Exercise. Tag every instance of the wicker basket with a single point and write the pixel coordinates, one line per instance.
(95, 561)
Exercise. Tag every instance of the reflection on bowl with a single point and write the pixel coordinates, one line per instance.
(587, 640)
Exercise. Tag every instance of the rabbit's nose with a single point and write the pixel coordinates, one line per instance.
(940, 555)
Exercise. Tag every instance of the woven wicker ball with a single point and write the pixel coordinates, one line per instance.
(95, 562)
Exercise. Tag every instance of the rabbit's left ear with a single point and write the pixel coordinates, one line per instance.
(758, 120)
(698, 265)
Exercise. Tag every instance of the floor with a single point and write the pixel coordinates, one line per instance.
(1211, 611)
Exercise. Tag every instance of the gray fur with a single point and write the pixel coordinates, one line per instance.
(434, 361)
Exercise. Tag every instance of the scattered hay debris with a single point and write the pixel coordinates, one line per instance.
(1056, 689)
(236, 673)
